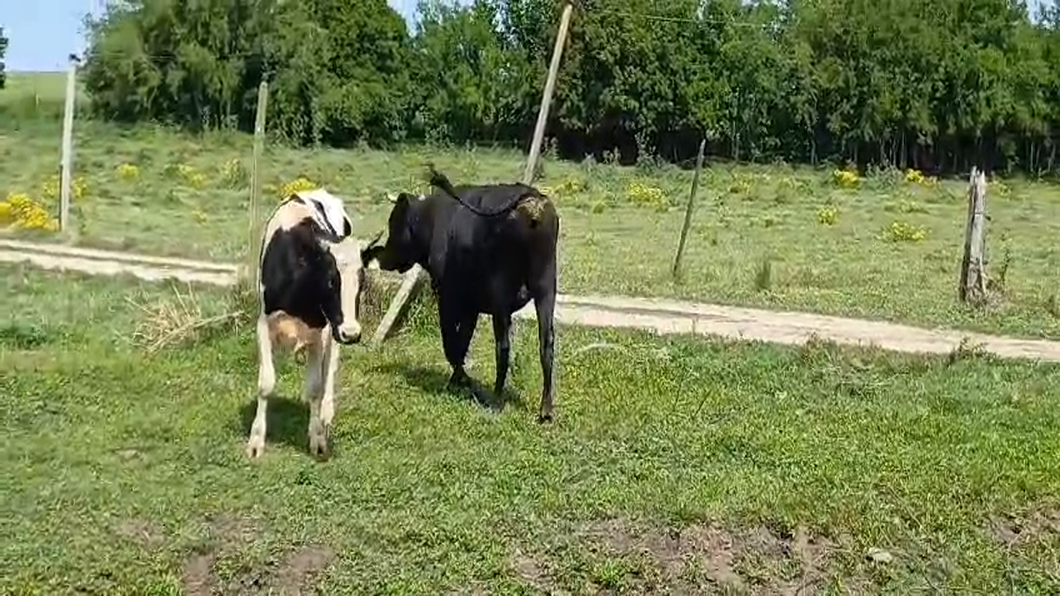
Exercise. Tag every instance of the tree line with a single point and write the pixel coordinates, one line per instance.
(940, 85)
(3, 52)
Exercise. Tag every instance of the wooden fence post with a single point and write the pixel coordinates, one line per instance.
(688, 209)
(68, 149)
(254, 208)
(973, 269)
(546, 95)
(414, 278)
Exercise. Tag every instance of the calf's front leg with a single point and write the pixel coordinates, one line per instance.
(266, 385)
(327, 405)
(502, 331)
(316, 365)
(457, 329)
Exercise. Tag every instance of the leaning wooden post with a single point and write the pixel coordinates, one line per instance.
(546, 95)
(414, 278)
(688, 210)
(68, 148)
(254, 208)
(542, 114)
(973, 269)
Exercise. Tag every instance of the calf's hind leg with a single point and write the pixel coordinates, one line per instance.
(546, 306)
(266, 385)
(544, 293)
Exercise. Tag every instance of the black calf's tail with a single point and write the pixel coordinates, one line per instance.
(439, 180)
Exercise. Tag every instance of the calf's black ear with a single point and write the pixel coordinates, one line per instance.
(347, 229)
(401, 198)
(370, 253)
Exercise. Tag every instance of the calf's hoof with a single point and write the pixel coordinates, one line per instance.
(458, 380)
(318, 442)
(255, 447)
(318, 447)
(544, 418)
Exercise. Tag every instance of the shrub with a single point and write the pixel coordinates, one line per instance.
(828, 215)
(900, 231)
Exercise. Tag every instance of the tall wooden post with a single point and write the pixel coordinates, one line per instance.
(688, 209)
(973, 271)
(413, 279)
(66, 176)
(254, 208)
(546, 95)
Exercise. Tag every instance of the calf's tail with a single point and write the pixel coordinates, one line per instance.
(441, 181)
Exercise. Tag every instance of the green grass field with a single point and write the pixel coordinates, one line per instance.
(760, 236)
(677, 465)
(35, 96)
(49, 86)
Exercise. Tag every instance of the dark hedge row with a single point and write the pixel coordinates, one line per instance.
(938, 85)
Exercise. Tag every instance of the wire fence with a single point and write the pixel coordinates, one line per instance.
(763, 235)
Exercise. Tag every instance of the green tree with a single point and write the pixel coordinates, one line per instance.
(3, 53)
(338, 68)
(904, 83)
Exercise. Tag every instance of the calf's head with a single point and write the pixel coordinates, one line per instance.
(335, 273)
(401, 251)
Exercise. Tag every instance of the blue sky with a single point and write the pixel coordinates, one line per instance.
(43, 32)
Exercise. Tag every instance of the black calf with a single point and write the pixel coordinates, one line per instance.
(488, 249)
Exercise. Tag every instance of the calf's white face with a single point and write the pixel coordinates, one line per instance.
(351, 274)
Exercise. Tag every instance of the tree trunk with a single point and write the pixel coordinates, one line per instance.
(905, 154)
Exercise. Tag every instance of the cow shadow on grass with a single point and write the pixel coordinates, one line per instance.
(287, 421)
(435, 381)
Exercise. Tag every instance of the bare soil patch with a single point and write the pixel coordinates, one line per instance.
(198, 575)
(701, 558)
(232, 530)
(531, 572)
(144, 532)
(293, 575)
(1018, 531)
(300, 567)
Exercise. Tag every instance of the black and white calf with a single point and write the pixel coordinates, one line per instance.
(312, 274)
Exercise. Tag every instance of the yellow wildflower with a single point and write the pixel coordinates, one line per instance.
(646, 196)
(297, 185)
(569, 186)
(900, 231)
(128, 171)
(827, 215)
(50, 189)
(28, 214)
(846, 178)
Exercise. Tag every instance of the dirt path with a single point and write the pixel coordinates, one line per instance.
(661, 316)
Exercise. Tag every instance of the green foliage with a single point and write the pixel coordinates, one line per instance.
(3, 52)
(934, 86)
(337, 70)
